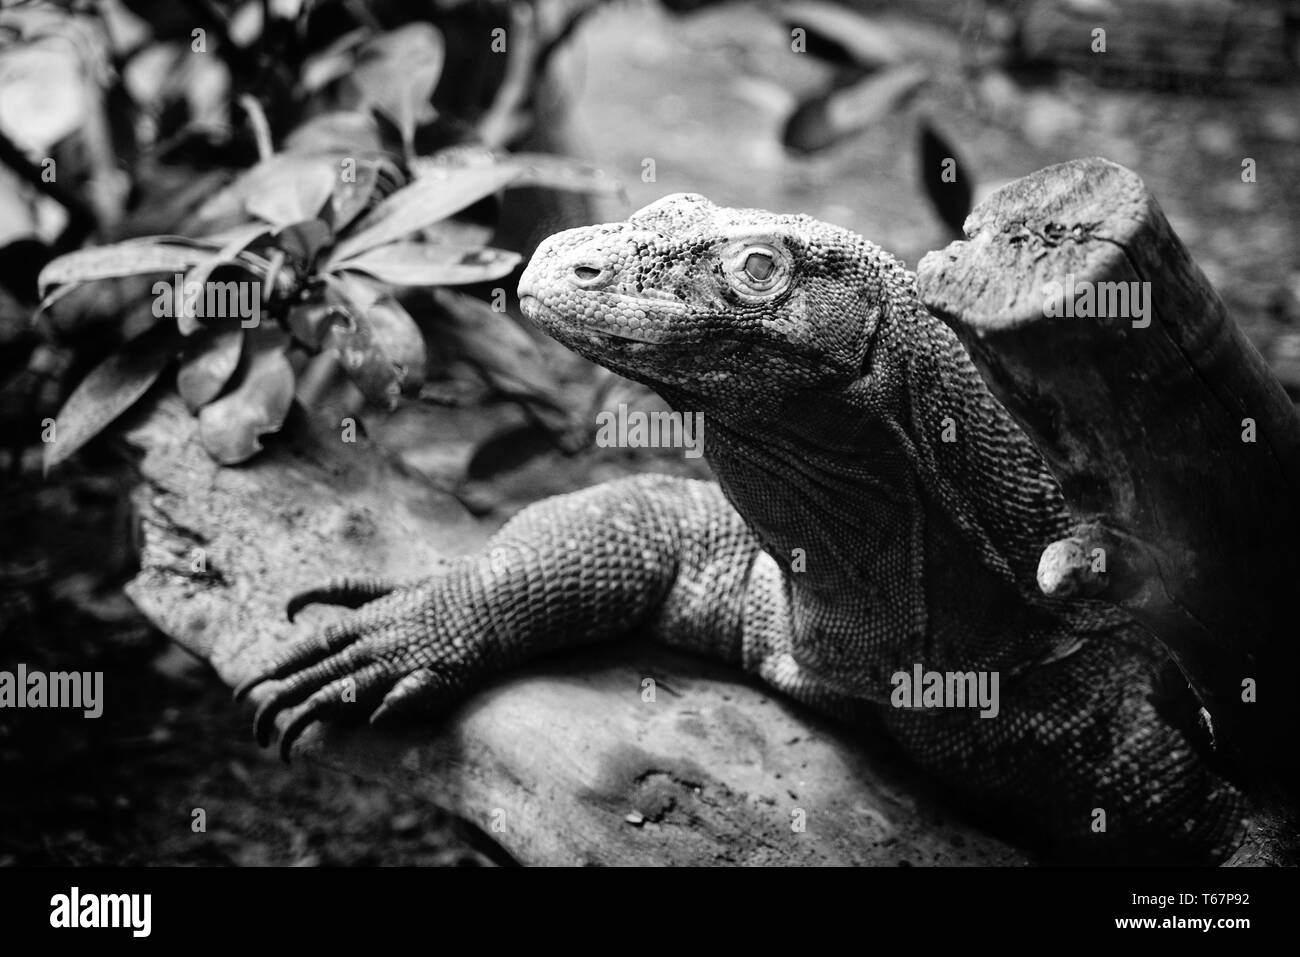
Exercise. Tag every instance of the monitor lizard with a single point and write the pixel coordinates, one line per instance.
(876, 513)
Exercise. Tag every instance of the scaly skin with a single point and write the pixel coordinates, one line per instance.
(875, 509)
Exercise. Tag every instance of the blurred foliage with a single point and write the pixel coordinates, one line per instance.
(271, 179)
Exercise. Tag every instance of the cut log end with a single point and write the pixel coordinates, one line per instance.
(1177, 450)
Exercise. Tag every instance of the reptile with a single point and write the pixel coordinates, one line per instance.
(875, 512)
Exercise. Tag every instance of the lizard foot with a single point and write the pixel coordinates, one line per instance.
(368, 660)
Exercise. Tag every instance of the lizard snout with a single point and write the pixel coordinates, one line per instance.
(574, 258)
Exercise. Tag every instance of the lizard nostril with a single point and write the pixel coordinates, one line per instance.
(586, 273)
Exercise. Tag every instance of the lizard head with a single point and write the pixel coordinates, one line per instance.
(711, 305)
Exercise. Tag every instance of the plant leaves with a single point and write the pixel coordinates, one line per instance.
(840, 112)
(506, 354)
(46, 97)
(397, 72)
(374, 177)
(952, 198)
(535, 169)
(322, 69)
(292, 195)
(236, 241)
(230, 427)
(345, 132)
(431, 264)
(209, 360)
(363, 341)
(429, 199)
(302, 241)
(562, 172)
(257, 186)
(457, 232)
(392, 331)
(363, 361)
(118, 260)
(310, 321)
(842, 35)
(110, 389)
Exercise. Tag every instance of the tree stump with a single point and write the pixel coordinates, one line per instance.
(1177, 449)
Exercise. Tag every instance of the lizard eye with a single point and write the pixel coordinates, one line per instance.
(759, 266)
(757, 271)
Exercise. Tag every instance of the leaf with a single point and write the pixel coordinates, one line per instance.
(230, 427)
(508, 356)
(45, 95)
(310, 321)
(457, 232)
(256, 189)
(118, 260)
(60, 293)
(292, 195)
(427, 200)
(431, 264)
(379, 346)
(397, 72)
(535, 169)
(207, 242)
(392, 331)
(19, 216)
(373, 177)
(110, 389)
(209, 360)
(302, 241)
(322, 69)
(236, 241)
(837, 34)
(339, 131)
(831, 116)
(952, 196)
(562, 172)
(363, 361)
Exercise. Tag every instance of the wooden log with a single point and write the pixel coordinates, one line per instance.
(1216, 46)
(564, 764)
(1213, 46)
(1176, 448)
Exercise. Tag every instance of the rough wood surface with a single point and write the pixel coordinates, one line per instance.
(1177, 449)
(566, 764)
(1214, 45)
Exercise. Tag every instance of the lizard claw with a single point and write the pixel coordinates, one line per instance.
(349, 592)
(334, 638)
(372, 659)
(410, 694)
(302, 706)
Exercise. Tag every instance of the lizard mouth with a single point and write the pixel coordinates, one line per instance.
(546, 317)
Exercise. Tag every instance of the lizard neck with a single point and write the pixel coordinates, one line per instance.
(977, 469)
(831, 475)
(896, 487)
(823, 482)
